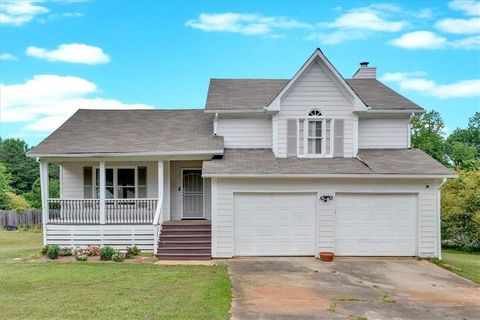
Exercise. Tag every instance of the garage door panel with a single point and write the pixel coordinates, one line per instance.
(375, 224)
(274, 224)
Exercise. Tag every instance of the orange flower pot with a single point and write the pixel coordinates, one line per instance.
(326, 256)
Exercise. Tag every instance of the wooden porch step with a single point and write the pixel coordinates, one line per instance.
(183, 256)
(200, 250)
(186, 232)
(187, 222)
(190, 243)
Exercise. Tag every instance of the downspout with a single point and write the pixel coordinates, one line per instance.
(215, 124)
(409, 133)
(438, 215)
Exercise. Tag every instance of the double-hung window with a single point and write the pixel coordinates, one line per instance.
(315, 135)
(120, 182)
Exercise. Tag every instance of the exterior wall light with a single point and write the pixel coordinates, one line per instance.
(325, 198)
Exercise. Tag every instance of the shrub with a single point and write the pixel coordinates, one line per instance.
(92, 250)
(80, 254)
(44, 249)
(118, 256)
(106, 253)
(53, 251)
(64, 252)
(133, 251)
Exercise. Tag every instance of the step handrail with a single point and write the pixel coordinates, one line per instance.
(157, 223)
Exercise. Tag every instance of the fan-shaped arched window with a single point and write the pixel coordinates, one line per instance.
(315, 113)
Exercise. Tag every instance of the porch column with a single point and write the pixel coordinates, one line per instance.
(44, 191)
(160, 182)
(102, 191)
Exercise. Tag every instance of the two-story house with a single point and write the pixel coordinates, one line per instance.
(270, 167)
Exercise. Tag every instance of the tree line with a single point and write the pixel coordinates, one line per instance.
(460, 150)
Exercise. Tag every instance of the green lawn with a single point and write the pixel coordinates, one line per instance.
(19, 244)
(465, 264)
(89, 290)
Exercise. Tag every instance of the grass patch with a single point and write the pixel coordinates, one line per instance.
(19, 244)
(462, 263)
(386, 298)
(94, 290)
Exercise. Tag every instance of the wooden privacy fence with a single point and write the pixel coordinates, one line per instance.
(29, 217)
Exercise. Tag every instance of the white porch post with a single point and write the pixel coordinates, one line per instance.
(44, 194)
(160, 182)
(102, 191)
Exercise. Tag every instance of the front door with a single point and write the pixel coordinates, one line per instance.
(192, 193)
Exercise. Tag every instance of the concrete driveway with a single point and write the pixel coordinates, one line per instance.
(349, 288)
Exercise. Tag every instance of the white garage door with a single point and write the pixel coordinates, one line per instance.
(274, 224)
(375, 224)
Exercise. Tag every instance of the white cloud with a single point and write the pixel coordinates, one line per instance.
(470, 43)
(73, 53)
(369, 19)
(243, 23)
(420, 40)
(20, 12)
(46, 101)
(468, 7)
(431, 40)
(459, 26)
(7, 57)
(336, 36)
(416, 81)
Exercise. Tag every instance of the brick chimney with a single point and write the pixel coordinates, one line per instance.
(365, 72)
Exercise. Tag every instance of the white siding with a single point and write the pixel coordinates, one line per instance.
(243, 132)
(117, 236)
(383, 133)
(72, 177)
(225, 188)
(315, 89)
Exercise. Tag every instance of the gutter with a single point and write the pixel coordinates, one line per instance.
(310, 176)
(438, 218)
(389, 111)
(123, 154)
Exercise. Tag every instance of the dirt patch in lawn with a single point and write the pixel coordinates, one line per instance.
(275, 299)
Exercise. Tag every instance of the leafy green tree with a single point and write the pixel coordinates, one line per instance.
(4, 186)
(461, 211)
(34, 197)
(428, 135)
(463, 155)
(23, 170)
(469, 135)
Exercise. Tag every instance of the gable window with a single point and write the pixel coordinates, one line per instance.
(120, 183)
(315, 135)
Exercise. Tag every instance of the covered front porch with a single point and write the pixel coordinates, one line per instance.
(121, 202)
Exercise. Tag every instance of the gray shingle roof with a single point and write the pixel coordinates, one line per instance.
(255, 94)
(376, 95)
(263, 161)
(235, 94)
(380, 161)
(402, 161)
(132, 131)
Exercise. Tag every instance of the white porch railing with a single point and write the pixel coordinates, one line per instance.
(87, 211)
(157, 224)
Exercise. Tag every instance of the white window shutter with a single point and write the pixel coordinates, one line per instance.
(292, 138)
(338, 138)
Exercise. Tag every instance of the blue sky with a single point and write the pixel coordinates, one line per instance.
(56, 56)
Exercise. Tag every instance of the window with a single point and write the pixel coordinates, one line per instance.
(315, 135)
(120, 183)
